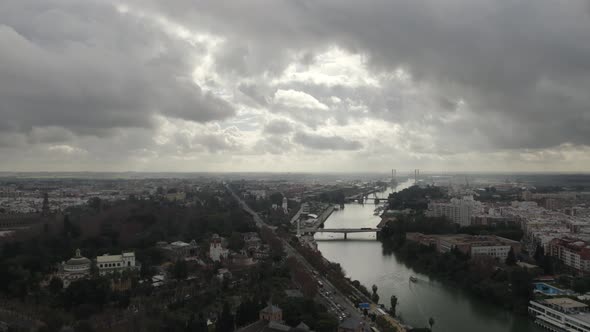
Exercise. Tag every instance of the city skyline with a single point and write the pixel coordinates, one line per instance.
(294, 86)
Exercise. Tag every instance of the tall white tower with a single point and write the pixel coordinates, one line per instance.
(285, 205)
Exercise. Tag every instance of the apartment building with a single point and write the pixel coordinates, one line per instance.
(573, 252)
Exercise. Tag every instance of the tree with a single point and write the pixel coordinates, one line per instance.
(539, 254)
(375, 296)
(87, 296)
(548, 267)
(431, 322)
(56, 285)
(197, 325)
(511, 258)
(225, 321)
(180, 269)
(276, 198)
(236, 242)
(384, 324)
(67, 225)
(95, 203)
(393, 302)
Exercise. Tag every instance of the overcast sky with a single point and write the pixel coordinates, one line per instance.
(294, 85)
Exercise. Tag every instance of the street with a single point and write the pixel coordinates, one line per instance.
(335, 301)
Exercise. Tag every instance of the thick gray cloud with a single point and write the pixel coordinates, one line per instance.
(435, 82)
(279, 127)
(320, 142)
(519, 62)
(88, 68)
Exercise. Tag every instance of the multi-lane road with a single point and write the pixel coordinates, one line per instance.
(335, 301)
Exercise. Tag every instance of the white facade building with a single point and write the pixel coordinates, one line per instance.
(285, 205)
(116, 263)
(561, 314)
(500, 252)
(77, 267)
(216, 250)
(179, 249)
(457, 210)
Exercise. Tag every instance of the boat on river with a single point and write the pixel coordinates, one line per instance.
(413, 279)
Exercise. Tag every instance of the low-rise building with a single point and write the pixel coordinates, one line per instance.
(75, 268)
(116, 263)
(271, 319)
(472, 245)
(178, 249)
(561, 314)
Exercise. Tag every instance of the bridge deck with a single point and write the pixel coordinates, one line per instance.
(340, 230)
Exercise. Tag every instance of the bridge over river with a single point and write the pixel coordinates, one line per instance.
(341, 230)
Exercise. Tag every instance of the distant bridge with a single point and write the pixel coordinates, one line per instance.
(341, 230)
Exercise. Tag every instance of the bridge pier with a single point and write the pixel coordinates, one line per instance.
(345, 236)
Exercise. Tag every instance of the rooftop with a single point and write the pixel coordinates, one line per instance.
(583, 316)
(274, 326)
(271, 308)
(180, 244)
(106, 258)
(565, 303)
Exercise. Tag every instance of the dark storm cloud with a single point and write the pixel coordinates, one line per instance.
(320, 142)
(85, 67)
(524, 63)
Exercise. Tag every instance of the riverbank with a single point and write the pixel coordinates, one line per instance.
(354, 291)
(508, 287)
(363, 258)
(325, 215)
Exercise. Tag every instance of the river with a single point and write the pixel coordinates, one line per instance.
(362, 258)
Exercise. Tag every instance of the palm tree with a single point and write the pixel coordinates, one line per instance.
(375, 296)
(431, 322)
(393, 302)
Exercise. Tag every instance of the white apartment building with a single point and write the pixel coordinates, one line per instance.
(116, 263)
(561, 314)
(457, 210)
(572, 252)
